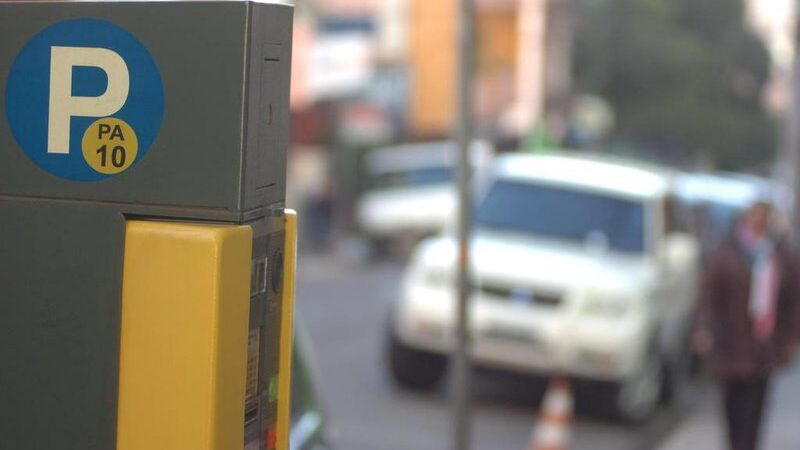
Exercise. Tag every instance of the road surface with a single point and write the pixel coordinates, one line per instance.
(343, 308)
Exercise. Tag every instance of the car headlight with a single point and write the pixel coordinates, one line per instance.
(607, 306)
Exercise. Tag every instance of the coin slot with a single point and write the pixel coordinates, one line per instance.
(258, 277)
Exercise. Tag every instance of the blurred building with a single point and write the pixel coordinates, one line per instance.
(397, 59)
(523, 65)
(349, 57)
(774, 21)
(400, 56)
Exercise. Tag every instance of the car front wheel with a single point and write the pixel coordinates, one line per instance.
(414, 369)
(636, 399)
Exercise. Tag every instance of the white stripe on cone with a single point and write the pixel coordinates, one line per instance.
(550, 436)
(558, 402)
(553, 430)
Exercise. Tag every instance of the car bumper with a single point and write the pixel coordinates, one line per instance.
(526, 339)
(387, 226)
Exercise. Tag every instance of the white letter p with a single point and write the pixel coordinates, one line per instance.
(63, 106)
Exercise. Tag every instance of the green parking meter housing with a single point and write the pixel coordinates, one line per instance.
(146, 256)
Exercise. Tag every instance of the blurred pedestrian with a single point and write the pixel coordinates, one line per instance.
(747, 319)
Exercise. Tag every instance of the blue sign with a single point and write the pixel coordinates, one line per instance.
(84, 100)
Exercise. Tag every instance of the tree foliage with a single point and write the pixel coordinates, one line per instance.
(684, 77)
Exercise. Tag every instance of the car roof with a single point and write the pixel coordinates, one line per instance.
(706, 187)
(425, 155)
(728, 188)
(589, 171)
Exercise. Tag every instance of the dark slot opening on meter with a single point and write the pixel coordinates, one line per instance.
(258, 277)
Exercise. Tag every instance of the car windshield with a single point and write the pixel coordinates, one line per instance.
(563, 213)
(409, 178)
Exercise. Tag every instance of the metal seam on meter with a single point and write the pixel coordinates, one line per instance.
(288, 266)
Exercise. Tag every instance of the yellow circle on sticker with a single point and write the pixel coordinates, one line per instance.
(110, 145)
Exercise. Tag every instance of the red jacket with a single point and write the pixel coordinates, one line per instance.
(724, 312)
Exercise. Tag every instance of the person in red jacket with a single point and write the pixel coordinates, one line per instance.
(747, 323)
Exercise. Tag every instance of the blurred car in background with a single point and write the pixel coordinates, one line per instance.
(578, 270)
(307, 424)
(410, 190)
(715, 201)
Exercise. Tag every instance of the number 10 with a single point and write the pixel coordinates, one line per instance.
(118, 156)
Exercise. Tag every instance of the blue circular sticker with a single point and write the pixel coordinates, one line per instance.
(84, 99)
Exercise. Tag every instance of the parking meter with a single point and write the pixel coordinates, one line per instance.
(146, 258)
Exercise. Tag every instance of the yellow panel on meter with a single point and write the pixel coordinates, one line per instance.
(287, 329)
(184, 341)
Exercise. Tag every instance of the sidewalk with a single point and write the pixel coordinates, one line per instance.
(703, 428)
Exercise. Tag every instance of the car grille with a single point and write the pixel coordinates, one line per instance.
(521, 295)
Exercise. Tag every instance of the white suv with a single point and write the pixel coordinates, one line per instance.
(578, 270)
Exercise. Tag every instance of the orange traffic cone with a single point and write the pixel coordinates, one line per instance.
(553, 430)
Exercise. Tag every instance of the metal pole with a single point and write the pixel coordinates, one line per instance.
(461, 356)
(793, 137)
